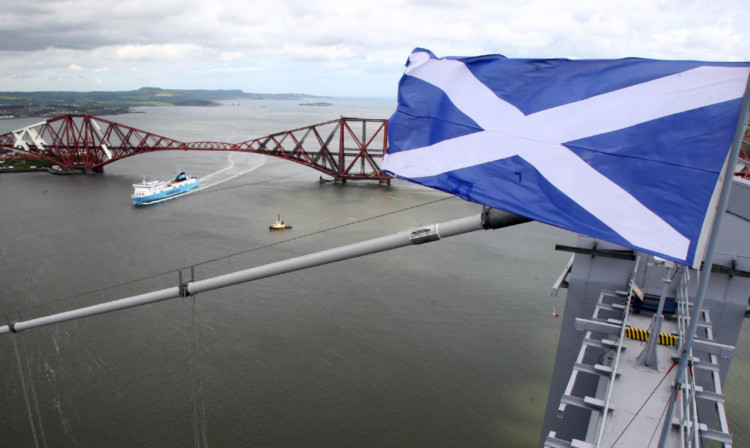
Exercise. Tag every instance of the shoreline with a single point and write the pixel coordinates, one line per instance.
(48, 170)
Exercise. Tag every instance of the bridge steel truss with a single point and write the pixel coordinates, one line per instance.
(345, 149)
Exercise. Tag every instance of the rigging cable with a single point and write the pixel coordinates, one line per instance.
(656, 428)
(25, 390)
(33, 392)
(199, 411)
(643, 405)
(149, 277)
(199, 416)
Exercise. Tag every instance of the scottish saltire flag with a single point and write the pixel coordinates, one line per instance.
(629, 150)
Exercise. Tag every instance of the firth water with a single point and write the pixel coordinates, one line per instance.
(449, 344)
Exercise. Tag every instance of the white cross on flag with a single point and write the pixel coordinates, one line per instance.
(628, 150)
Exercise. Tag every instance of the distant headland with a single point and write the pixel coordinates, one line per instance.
(317, 103)
(49, 104)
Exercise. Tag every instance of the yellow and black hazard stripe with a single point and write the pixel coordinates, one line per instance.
(667, 339)
(642, 335)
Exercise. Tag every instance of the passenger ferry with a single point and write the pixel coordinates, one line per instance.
(154, 190)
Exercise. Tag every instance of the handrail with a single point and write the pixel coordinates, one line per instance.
(610, 386)
(689, 421)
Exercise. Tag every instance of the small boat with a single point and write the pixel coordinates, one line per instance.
(154, 190)
(279, 225)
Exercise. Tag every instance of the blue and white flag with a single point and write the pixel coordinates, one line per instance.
(629, 150)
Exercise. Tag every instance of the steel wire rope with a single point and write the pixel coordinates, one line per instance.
(170, 271)
(22, 374)
(644, 405)
(200, 433)
(33, 392)
(658, 423)
(318, 232)
(194, 396)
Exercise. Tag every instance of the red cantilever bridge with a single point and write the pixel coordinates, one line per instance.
(345, 149)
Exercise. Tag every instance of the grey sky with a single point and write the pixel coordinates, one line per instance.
(335, 47)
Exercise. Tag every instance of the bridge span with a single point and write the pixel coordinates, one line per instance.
(345, 149)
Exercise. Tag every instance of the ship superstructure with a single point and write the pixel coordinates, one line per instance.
(148, 191)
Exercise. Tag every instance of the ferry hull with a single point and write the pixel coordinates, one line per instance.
(144, 200)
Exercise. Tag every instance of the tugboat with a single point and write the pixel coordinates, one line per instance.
(279, 225)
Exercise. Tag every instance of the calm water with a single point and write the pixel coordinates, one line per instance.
(449, 344)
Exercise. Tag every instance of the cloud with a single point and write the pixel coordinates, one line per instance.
(300, 52)
(230, 55)
(236, 69)
(313, 46)
(157, 52)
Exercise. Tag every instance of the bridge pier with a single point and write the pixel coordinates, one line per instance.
(339, 180)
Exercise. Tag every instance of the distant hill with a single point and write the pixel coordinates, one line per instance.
(40, 104)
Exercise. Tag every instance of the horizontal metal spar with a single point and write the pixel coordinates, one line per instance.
(328, 256)
(489, 219)
(414, 236)
(121, 304)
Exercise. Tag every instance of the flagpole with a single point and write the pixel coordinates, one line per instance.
(708, 262)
